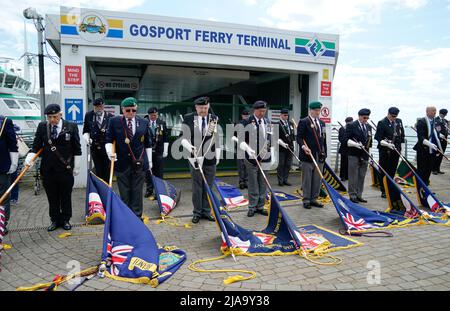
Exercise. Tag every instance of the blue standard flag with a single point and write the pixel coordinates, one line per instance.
(130, 251)
(96, 190)
(166, 194)
(229, 194)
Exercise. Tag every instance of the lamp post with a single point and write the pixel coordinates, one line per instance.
(31, 13)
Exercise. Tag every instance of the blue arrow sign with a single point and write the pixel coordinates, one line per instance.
(74, 110)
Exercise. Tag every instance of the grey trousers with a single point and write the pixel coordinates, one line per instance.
(5, 182)
(356, 174)
(284, 166)
(199, 194)
(131, 188)
(257, 189)
(311, 181)
(242, 170)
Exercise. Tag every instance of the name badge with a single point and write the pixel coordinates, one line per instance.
(67, 136)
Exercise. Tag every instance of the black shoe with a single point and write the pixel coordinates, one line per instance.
(66, 225)
(440, 172)
(280, 184)
(251, 213)
(262, 212)
(195, 219)
(343, 179)
(246, 186)
(208, 217)
(287, 184)
(354, 200)
(5, 232)
(316, 204)
(307, 205)
(148, 194)
(435, 173)
(53, 226)
(241, 186)
(383, 195)
(361, 200)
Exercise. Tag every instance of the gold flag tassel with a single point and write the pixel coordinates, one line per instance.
(172, 221)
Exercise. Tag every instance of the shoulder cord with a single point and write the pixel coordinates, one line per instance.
(315, 134)
(55, 151)
(3, 125)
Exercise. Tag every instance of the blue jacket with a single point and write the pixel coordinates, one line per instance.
(8, 143)
(315, 140)
(141, 140)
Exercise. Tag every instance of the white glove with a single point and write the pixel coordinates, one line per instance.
(187, 145)
(427, 143)
(247, 149)
(166, 150)
(110, 153)
(76, 165)
(272, 156)
(387, 144)
(14, 156)
(235, 139)
(218, 154)
(282, 144)
(148, 151)
(442, 136)
(29, 159)
(87, 138)
(354, 144)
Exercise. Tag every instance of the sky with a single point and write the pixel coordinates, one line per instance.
(392, 52)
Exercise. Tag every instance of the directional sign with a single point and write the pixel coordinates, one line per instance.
(74, 110)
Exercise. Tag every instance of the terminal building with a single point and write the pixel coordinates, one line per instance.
(167, 62)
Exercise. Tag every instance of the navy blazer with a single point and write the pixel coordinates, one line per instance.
(8, 143)
(98, 135)
(353, 131)
(265, 144)
(161, 136)
(141, 140)
(425, 132)
(287, 135)
(316, 144)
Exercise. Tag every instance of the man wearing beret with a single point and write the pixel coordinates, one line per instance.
(199, 139)
(442, 129)
(94, 133)
(133, 153)
(160, 147)
(311, 137)
(358, 136)
(9, 159)
(390, 136)
(343, 171)
(60, 162)
(258, 135)
(428, 144)
(242, 170)
(286, 142)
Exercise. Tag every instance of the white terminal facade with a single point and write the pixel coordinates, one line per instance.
(167, 62)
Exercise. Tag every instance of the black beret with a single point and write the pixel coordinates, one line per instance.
(152, 110)
(245, 112)
(284, 111)
(202, 101)
(348, 120)
(98, 101)
(443, 111)
(364, 112)
(260, 104)
(52, 109)
(394, 111)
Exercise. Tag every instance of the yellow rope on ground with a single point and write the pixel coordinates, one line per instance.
(313, 257)
(68, 234)
(172, 221)
(5, 247)
(59, 280)
(229, 280)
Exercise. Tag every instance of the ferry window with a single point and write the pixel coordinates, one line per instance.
(25, 104)
(34, 105)
(12, 104)
(9, 81)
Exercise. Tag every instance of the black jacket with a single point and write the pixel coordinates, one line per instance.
(315, 140)
(67, 145)
(442, 128)
(97, 134)
(287, 135)
(353, 131)
(8, 143)
(394, 133)
(343, 149)
(191, 124)
(424, 131)
(261, 147)
(160, 137)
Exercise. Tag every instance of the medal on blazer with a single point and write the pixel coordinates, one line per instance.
(127, 141)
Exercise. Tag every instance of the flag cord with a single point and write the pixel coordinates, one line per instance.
(58, 280)
(229, 280)
(172, 221)
(317, 254)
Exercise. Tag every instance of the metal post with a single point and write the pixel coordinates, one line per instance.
(40, 30)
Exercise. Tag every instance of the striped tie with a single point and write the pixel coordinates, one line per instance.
(130, 129)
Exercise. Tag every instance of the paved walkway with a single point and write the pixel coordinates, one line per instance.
(416, 258)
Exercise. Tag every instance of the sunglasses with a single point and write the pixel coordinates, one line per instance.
(130, 110)
(366, 118)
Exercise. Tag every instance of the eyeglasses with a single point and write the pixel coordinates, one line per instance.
(130, 110)
(366, 118)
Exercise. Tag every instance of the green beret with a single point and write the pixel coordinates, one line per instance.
(315, 105)
(129, 102)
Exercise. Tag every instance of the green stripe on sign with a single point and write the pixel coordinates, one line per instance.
(329, 45)
(303, 42)
(24, 118)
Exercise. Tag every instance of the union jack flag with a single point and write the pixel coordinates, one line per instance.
(352, 223)
(118, 255)
(2, 227)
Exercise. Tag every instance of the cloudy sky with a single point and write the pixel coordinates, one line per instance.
(392, 52)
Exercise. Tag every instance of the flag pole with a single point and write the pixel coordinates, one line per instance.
(438, 150)
(19, 177)
(113, 160)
